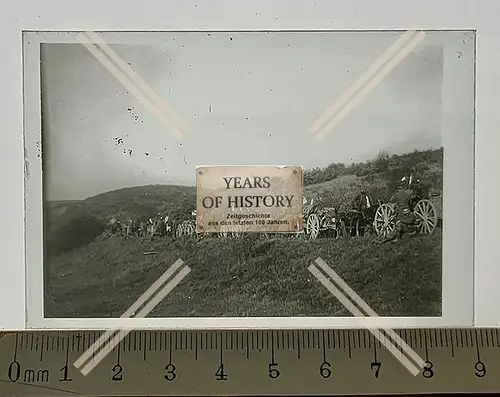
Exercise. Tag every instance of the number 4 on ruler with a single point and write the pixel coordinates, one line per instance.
(220, 375)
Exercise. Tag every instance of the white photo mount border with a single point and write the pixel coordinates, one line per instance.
(458, 229)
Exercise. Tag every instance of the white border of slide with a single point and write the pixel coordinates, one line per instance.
(458, 298)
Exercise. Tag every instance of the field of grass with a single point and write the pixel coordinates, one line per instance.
(86, 276)
(247, 276)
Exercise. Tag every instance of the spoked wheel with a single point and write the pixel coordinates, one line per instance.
(312, 226)
(384, 220)
(228, 234)
(426, 217)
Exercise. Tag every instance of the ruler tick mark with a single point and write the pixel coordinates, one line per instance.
(272, 349)
(324, 348)
(42, 343)
(349, 343)
(170, 349)
(452, 344)
(196, 346)
(298, 344)
(477, 348)
(426, 348)
(487, 338)
(15, 347)
(248, 347)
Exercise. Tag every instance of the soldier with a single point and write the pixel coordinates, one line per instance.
(150, 227)
(114, 226)
(126, 228)
(361, 204)
(167, 226)
(141, 227)
(110, 227)
(405, 219)
(421, 189)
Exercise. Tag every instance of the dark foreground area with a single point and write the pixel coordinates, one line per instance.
(246, 276)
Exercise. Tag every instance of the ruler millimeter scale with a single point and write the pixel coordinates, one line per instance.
(289, 362)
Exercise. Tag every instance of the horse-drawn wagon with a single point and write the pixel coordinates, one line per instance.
(427, 210)
(320, 219)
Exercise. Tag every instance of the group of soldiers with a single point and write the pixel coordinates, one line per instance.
(157, 226)
(408, 192)
(406, 196)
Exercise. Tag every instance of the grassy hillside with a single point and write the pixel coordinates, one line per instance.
(337, 184)
(378, 176)
(247, 277)
(88, 277)
(71, 225)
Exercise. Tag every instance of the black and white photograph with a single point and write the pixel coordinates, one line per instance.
(126, 119)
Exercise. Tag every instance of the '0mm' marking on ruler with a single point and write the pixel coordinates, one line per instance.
(288, 362)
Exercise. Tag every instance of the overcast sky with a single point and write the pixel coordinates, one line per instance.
(249, 98)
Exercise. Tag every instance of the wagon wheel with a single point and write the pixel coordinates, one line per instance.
(384, 220)
(312, 226)
(179, 230)
(426, 216)
(228, 234)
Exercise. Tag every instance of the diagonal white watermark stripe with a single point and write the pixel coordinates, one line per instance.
(368, 310)
(137, 80)
(363, 93)
(357, 313)
(131, 311)
(130, 86)
(376, 332)
(143, 313)
(365, 77)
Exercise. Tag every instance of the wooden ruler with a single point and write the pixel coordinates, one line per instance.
(239, 363)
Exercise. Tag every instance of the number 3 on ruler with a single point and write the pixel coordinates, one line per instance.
(170, 372)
